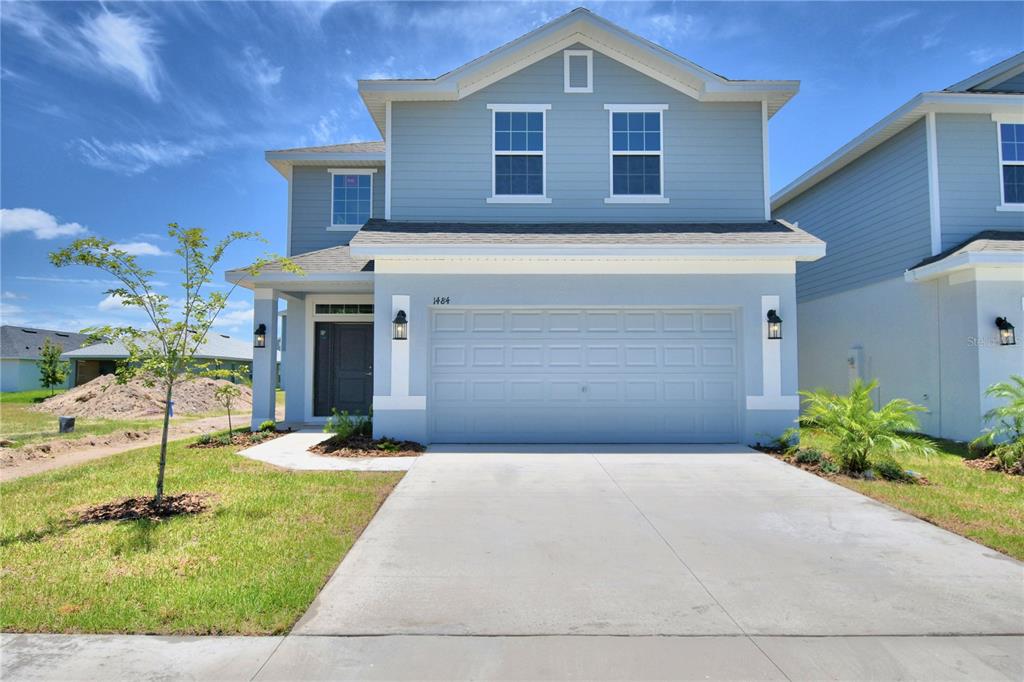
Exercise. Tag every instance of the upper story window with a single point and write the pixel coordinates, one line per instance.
(579, 70)
(1011, 163)
(351, 197)
(519, 164)
(637, 156)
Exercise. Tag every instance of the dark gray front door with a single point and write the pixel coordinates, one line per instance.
(343, 368)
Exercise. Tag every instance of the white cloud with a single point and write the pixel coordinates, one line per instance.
(140, 249)
(132, 158)
(257, 71)
(110, 303)
(11, 296)
(986, 55)
(39, 224)
(123, 46)
(8, 310)
(886, 24)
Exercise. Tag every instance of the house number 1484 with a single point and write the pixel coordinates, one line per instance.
(442, 300)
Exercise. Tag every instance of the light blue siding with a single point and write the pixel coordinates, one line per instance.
(1012, 84)
(969, 178)
(872, 214)
(441, 152)
(311, 208)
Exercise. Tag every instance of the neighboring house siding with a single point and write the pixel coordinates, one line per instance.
(311, 208)
(969, 178)
(873, 216)
(441, 152)
(1012, 84)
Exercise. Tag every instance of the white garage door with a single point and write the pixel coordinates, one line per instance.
(583, 376)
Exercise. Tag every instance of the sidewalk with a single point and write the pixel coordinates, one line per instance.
(297, 657)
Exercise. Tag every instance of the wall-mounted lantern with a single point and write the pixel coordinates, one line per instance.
(1007, 337)
(400, 327)
(774, 325)
(259, 337)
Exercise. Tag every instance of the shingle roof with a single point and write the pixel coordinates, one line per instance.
(332, 259)
(349, 147)
(989, 241)
(774, 232)
(216, 347)
(24, 343)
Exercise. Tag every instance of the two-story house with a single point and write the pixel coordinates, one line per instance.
(924, 218)
(568, 239)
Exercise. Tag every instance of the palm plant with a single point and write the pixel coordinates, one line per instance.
(855, 432)
(1005, 435)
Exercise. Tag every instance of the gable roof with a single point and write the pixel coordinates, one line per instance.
(24, 343)
(332, 263)
(216, 347)
(1000, 248)
(578, 26)
(993, 75)
(370, 153)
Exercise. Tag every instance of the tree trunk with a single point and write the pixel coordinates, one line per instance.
(230, 430)
(163, 446)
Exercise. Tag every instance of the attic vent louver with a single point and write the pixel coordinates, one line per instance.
(579, 71)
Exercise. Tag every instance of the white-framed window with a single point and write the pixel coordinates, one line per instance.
(1010, 136)
(636, 149)
(518, 149)
(579, 70)
(351, 197)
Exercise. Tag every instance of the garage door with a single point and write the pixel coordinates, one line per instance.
(583, 376)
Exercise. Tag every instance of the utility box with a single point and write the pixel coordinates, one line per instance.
(67, 424)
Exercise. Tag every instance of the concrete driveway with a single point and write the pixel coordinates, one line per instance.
(720, 541)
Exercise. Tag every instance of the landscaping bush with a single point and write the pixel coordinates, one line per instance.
(889, 469)
(258, 436)
(344, 426)
(205, 439)
(828, 466)
(268, 425)
(224, 439)
(1005, 436)
(809, 456)
(854, 432)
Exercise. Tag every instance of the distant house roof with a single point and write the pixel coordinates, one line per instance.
(619, 238)
(989, 247)
(24, 343)
(216, 347)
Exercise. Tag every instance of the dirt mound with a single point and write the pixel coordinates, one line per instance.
(104, 398)
(146, 508)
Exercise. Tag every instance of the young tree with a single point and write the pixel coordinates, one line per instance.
(52, 370)
(164, 353)
(226, 395)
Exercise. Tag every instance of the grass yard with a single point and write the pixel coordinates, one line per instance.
(985, 506)
(250, 565)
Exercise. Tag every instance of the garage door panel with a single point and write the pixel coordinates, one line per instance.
(597, 375)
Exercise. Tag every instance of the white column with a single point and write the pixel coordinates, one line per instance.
(264, 360)
(771, 397)
(400, 350)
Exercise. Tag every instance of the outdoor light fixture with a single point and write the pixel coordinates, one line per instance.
(259, 337)
(774, 325)
(1006, 334)
(400, 327)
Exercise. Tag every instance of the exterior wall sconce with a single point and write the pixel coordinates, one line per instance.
(259, 337)
(400, 327)
(1007, 337)
(774, 325)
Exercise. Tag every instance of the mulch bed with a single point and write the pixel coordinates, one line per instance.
(992, 463)
(816, 469)
(364, 446)
(130, 508)
(244, 438)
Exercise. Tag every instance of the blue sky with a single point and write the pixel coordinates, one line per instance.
(121, 117)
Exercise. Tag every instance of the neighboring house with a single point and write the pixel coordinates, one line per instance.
(924, 218)
(19, 354)
(218, 352)
(566, 240)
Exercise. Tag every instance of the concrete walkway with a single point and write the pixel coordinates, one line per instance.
(589, 563)
(292, 452)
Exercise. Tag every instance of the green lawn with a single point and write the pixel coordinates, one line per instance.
(985, 506)
(251, 565)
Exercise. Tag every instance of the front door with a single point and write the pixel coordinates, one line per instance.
(343, 368)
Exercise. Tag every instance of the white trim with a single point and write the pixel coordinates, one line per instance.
(773, 402)
(400, 349)
(960, 261)
(1000, 120)
(541, 198)
(583, 266)
(383, 403)
(934, 210)
(589, 54)
(1004, 70)
(614, 198)
(796, 251)
(387, 164)
(288, 246)
(347, 227)
(764, 160)
(310, 346)
(636, 199)
(263, 293)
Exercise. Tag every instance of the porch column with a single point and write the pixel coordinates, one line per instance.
(264, 360)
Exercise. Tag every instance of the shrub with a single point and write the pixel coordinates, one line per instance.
(344, 426)
(205, 439)
(809, 456)
(258, 436)
(388, 445)
(828, 466)
(268, 425)
(855, 432)
(889, 469)
(1005, 435)
(224, 439)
